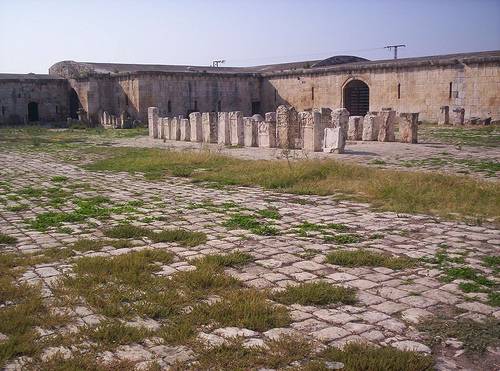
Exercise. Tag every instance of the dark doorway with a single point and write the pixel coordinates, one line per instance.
(357, 98)
(74, 104)
(33, 112)
(255, 108)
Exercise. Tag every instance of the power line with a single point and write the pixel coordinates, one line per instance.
(395, 47)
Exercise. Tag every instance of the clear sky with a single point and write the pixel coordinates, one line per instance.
(34, 34)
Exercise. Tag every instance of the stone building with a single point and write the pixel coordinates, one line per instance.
(469, 81)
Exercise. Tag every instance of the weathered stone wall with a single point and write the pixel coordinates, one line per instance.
(51, 95)
(423, 89)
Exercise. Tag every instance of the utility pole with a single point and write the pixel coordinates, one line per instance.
(216, 63)
(395, 47)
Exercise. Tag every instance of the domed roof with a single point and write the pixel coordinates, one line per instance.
(339, 59)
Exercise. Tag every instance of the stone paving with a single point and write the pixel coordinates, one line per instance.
(390, 302)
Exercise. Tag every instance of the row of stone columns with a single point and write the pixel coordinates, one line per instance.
(457, 117)
(317, 130)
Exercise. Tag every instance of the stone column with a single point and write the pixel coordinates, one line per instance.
(313, 130)
(196, 127)
(458, 116)
(386, 129)
(249, 132)
(224, 128)
(209, 127)
(236, 123)
(153, 121)
(340, 118)
(371, 123)
(444, 115)
(267, 131)
(166, 128)
(161, 128)
(326, 121)
(355, 128)
(287, 128)
(175, 133)
(185, 130)
(334, 140)
(408, 127)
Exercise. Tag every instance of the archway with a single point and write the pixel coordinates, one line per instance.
(33, 112)
(74, 104)
(357, 98)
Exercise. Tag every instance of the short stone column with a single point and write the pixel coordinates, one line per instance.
(161, 128)
(209, 127)
(408, 127)
(340, 118)
(334, 140)
(355, 128)
(236, 125)
(458, 116)
(287, 127)
(444, 115)
(326, 121)
(371, 123)
(166, 128)
(175, 127)
(386, 129)
(152, 121)
(313, 130)
(224, 128)
(196, 127)
(185, 130)
(267, 131)
(249, 132)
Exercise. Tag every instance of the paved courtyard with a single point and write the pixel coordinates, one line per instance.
(391, 303)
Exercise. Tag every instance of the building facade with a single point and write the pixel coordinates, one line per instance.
(470, 81)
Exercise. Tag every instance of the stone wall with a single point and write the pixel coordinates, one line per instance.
(50, 95)
(424, 89)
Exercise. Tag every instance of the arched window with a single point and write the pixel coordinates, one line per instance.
(33, 112)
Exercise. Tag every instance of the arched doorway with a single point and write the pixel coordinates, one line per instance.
(33, 112)
(74, 104)
(357, 98)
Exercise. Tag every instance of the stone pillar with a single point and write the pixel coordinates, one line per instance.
(386, 129)
(340, 118)
(249, 132)
(458, 116)
(355, 128)
(161, 128)
(267, 131)
(152, 121)
(196, 127)
(313, 130)
(326, 121)
(334, 140)
(224, 128)
(236, 123)
(209, 127)
(408, 127)
(175, 129)
(185, 130)
(371, 123)
(287, 127)
(166, 128)
(444, 115)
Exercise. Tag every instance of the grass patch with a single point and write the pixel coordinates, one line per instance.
(110, 334)
(398, 191)
(356, 357)
(236, 258)
(476, 336)
(250, 222)
(342, 239)
(316, 293)
(270, 213)
(7, 240)
(363, 258)
(127, 231)
(466, 273)
(59, 179)
(180, 236)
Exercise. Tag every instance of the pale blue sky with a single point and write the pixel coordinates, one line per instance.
(35, 34)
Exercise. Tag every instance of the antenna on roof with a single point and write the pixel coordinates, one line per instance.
(395, 47)
(216, 63)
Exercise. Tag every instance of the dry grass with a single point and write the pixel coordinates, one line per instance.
(364, 258)
(316, 293)
(404, 192)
